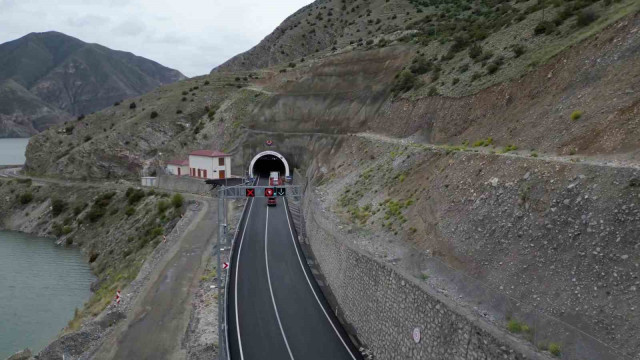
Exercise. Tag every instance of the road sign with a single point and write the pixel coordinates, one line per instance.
(416, 335)
(251, 192)
(281, 191)
(268, 192)
(225, 265)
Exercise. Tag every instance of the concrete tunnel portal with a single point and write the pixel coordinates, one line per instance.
(267, 161)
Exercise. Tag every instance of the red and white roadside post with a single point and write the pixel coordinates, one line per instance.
(118, 297)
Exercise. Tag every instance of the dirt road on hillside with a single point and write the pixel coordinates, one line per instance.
(157, 323)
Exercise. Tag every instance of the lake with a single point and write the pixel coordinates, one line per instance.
(12, 151)
(41, 284)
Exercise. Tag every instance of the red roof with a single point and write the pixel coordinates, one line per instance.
(209, 153)
(178, 162)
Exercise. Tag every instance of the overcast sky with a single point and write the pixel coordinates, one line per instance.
(192, 36)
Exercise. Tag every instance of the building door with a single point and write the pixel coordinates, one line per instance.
(221, 174)
(199, 173)
(179, 172)
(204, 174)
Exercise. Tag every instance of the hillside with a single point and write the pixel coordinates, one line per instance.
(523, 178)
(71, 76)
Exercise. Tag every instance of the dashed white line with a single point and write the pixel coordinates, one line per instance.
(275, 307)
(311, 286)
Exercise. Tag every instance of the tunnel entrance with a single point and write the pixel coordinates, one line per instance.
(267, 161)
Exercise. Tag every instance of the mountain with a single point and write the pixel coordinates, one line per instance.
(64, 77)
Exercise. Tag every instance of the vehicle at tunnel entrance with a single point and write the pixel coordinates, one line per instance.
(266, 162)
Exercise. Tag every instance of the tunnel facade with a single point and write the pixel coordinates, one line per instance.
(268, 161)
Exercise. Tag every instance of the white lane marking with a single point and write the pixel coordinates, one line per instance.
(266, 258)
(237, 269)
(311, 286)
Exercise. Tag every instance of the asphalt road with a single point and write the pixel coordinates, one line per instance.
(281, 312)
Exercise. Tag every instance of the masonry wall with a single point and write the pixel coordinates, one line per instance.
(183, 184)
(384, 306)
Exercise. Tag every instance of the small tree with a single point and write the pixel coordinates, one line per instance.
(154, 114)
(132, 105)
(177, 200)
(26, 198)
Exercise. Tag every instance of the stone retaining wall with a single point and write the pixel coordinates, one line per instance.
(384, 306)
(183, 184)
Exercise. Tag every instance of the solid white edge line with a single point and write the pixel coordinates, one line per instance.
(311, 286)
(237, 269)
(275, 307)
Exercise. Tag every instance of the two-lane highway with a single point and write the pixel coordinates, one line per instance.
(276, 309)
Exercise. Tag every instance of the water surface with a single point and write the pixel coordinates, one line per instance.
(41, 284)
(12, 151)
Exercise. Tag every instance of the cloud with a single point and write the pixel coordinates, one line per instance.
(130, 28)
(88, 20)
(192, 36)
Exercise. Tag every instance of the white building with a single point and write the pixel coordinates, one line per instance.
(178, 167)
(209, 164)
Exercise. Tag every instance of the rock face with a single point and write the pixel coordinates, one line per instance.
(22, 355)
(45, 78)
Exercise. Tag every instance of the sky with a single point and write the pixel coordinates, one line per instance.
(192, 36)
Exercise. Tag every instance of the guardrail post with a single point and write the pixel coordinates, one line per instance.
(221, 228)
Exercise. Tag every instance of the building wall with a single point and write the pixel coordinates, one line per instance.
(210, 165)
(383, 306)
(173, 169)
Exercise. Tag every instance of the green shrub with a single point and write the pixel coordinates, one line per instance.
(420, 65)
(67, 230)
(476, 75)
(514, 326)
(132, 105)
(206, 82)
(155, 232)
(492, 68)
(475, 51)
(178, 111)
(585, 18)
(58, 206)
(518, 50)
(163, 206)
(404, 82)
(433, 91)
(77, 210)
(576, 115)
(26, 198)
(177, 200)
(130, 211)
(134, 195)
(544, 27)
(185, 92)
(554, 348)
(154, 114)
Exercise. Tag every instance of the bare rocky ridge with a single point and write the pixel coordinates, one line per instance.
(67, 77)
(494, 183)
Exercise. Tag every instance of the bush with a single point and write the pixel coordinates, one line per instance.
(514, 326)
(93, 256)
(420, 65)
(433, 91)
(576, 115)
(475, 51)
(405, 81)
(154, 114)
(178, 111)
(132, 105)
(544, 27)
(58, 206)
(134, 195)
(492, 68)
(177, 200)
(554, 348)
(185, 92)
(155, 232)
(67, 230)
(130, 211)
(585, 18)
(292, 65)
(26, 198)
(163, 206)
(518, 50)
(81, 117)
(206, 82)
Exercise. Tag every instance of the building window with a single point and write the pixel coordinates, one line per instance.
(221, 161)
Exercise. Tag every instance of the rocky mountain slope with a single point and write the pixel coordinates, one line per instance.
(523, 176)
(47, 71)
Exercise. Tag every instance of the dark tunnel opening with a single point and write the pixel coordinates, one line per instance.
(268, 163)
